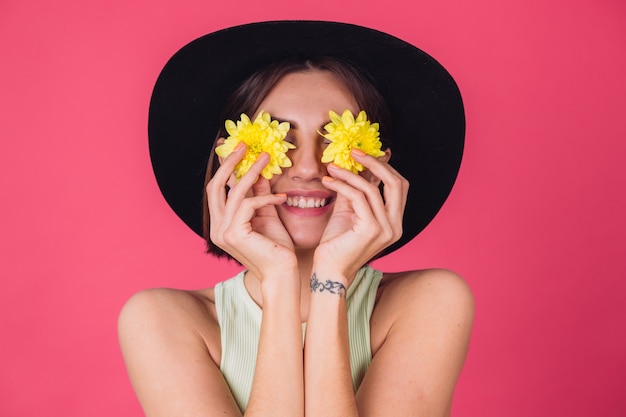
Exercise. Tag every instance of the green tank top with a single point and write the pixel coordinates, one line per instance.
(240, 323)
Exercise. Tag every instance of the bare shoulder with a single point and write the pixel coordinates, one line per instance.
(170, 341)
(423, 298)
(420, 331)
(163, 315)
(168, 298)
(424, 288)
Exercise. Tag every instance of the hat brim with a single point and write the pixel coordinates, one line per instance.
(428, 121)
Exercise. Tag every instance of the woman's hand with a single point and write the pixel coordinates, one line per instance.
(362, 223)
(244, 222)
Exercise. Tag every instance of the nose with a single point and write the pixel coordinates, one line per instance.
(306, 161)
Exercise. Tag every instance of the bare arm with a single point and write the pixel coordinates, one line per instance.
(420, 335)
(423, 323)
(165, 337)
(361, 226)
(169, 340)
(278, 384)
(328, 383)
(246, 225)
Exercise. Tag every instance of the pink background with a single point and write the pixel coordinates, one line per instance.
(535, 223)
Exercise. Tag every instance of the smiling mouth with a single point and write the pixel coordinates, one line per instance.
(306, 202)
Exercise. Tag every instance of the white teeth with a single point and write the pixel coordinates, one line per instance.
(304, 202)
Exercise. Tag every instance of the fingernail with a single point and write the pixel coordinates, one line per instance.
(239, 146)
(327, 178)
(358, 152)
(334, 166)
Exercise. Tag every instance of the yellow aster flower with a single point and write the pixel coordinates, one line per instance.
(345, 133)
(262, 135)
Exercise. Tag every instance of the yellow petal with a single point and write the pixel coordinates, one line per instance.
(346, 133)
(262, 135)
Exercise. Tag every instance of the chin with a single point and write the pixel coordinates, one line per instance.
(305, 232)
(305, 244)
(303, 241)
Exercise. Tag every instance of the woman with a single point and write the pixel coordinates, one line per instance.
(308, 328)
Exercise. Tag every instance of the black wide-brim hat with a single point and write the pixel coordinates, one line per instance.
(428, 121)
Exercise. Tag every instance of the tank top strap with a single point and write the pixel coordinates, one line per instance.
(239, 318)
(361, 297)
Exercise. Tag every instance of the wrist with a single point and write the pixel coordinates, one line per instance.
(329, 297)
(324, 271)
(280, 284)
(322, 284)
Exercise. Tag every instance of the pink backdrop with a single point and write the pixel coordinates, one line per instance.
(535, 223)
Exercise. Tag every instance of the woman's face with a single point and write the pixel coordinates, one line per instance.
(304, 100)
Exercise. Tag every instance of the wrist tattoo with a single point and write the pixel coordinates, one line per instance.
(333, 287)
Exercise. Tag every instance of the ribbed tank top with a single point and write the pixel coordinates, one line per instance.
(240, 323)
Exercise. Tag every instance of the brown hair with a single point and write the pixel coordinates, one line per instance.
(249, 95)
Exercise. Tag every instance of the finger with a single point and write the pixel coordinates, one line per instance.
(371, 192)
(247, 209)
(242, 191)
(245, 183)
(395, 186)
(358, 200)
(372, 220)
(216, 187)
(262, 187)
(236, 224)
